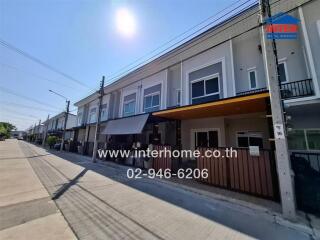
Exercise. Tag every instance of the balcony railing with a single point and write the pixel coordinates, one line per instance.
(302, 88)
(258, 90)
(297, 89)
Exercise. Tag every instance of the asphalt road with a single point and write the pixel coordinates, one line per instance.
(100, 202)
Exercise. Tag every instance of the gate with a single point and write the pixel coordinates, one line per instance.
(164, 161)
(255, 175)
(306, 167)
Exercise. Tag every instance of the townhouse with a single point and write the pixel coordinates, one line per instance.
(54, 126)
(211, 92)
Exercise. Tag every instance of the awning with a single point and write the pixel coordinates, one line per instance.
(223, 107)
(127, 125)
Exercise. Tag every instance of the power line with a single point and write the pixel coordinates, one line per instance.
(241, 20)
(19, 113)
(35, 75)
(188, 37)
(27, 55)
(26, 106)
(174, 38)
(6, 90)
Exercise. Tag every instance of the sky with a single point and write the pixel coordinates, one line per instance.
(82, 39)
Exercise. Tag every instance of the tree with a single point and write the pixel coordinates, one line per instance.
(6, 128)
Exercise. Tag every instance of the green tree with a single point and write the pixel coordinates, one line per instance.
(6, 128)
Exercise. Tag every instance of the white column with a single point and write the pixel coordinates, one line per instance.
(309, 53)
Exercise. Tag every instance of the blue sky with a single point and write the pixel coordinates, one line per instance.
(80, 38)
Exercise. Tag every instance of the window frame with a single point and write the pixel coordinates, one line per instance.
(126, 114)
(284, 62)
(247, 134)
(152, 95)
(193, 140)
(92, 114)
(306, 139)
(79, 118)
(254, 70)
(204, 79)
(105, 108)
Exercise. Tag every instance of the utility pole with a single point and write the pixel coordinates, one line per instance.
(65, 124)
(283, 160)
(45, 131)
(97, 132)
(38, 132)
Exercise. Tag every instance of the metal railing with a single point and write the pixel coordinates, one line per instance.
(302, 88)
(296, 89)
(258, 90)
(306, 167)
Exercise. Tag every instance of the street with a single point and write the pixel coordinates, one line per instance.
(99, 202)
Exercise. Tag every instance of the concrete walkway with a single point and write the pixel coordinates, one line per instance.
(26, 210)
(100, 202)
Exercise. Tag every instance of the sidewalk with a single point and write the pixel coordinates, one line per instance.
(26, 210)
(268, 210)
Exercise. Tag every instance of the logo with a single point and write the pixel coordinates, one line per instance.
(282, 26)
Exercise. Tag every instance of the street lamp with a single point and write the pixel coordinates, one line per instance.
(65, 118)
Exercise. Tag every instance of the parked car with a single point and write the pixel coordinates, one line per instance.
(20, 138)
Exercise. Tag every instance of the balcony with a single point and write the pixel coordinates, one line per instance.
(297, 89)
(289, 90)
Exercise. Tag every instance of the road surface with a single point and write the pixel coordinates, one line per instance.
(99, 202)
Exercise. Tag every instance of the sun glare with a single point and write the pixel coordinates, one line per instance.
(125, 22)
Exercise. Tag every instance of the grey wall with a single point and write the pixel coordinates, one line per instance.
(173, 83)
(311, 15)
(247, 55)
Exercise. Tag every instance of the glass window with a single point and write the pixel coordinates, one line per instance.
(246, 139)
(313, 137)
(148, 101)
(253, 81)
(282, 72)
(104, 112)
(155, 100)
(79, 118)
(152, 102)
(213, 139)
(206, 139)
(198, 89)
(297, 140)
(212, 85)
(129, 108)
(92, 115)
(256, 141)
(243, 142)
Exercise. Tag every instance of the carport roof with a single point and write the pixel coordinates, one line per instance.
(222, 107)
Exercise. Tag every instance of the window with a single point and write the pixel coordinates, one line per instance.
(152, 102)
(129, 108)
(206, 138)
(104, 112)
(304, 139)
(282, 68)
(205, 90)
(252, 79)
(92, 115)
(246, 139)
(79, 120)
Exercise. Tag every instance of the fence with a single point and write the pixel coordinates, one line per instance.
(302, 88)
(162, 162)
(244, 173)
